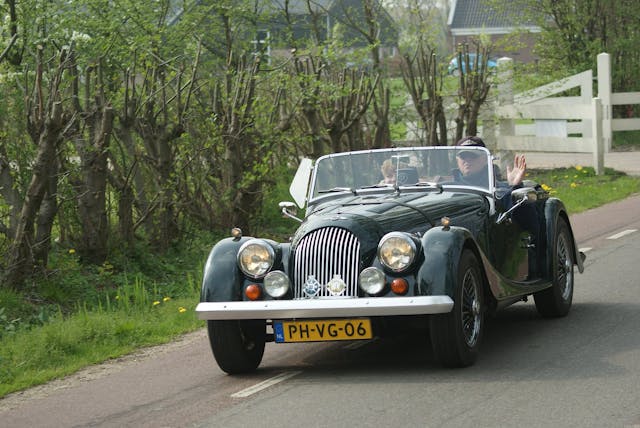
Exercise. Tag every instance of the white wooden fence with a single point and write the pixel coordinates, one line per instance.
(575, 124)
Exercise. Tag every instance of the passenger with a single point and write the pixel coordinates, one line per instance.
(389, 169)
(388, 172)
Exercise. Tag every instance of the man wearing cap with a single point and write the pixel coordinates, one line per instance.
(473, 167)
(473, 170)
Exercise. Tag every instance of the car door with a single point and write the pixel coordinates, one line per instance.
(510, 243)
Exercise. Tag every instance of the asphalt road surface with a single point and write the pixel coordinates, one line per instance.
(578, 371)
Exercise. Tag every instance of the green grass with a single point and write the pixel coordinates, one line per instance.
(70, 343)
(581, 189)
(81, 315)
(84, 315)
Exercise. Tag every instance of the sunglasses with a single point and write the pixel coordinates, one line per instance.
(468, 155)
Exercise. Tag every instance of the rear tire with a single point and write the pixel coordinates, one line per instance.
(456, 336)
(556, 301)
(238, 346)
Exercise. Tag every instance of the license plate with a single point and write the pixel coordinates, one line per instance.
(322, 330)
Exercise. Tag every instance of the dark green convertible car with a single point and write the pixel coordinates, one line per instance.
(419, 245)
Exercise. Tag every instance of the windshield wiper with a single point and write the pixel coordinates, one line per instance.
(397, 188)
(430, 184)
(377, 186)
(338, 189)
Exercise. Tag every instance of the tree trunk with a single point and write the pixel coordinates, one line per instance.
(46, 217)
(92, 187)
(10, 195)
(21, 257)
(130, 182)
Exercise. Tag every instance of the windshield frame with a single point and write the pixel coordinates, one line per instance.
(315, 195)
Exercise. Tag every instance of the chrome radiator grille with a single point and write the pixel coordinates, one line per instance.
(323, 254)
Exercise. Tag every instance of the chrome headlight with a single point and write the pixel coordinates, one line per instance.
(396, 251)
(372, 280)
(276, 283)
(255, 258)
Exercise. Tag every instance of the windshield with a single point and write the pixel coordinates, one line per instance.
(400, 168)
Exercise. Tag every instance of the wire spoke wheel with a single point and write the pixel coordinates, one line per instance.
(471, 316)
(456, 336)
(556, 300)
(564, 267)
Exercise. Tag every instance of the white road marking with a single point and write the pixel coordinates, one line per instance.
(585, 249)
(265, 384)
(623, 233)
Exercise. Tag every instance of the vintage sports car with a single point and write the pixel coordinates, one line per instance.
(371, 257)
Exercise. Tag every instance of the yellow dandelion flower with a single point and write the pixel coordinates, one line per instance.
(182, 310)
(72, 251)
(166, 299)
(545, 187)
(156, 303)
(573, 185)
(584, 171)
(579, 167)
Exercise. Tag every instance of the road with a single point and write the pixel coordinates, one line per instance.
(579, 371)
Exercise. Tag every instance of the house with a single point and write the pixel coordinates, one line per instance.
(276, 26)
(512, 33)
(316, 21)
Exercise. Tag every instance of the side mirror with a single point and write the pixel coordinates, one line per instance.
(519, 197)
(290, 210)
(524, 194)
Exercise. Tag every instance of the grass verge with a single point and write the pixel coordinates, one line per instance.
(581, 189)
(82, 315)
(70, 343)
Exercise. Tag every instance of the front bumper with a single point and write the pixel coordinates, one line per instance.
(324, 308)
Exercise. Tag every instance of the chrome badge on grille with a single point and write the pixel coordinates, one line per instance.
(311, 287)
(336, 286)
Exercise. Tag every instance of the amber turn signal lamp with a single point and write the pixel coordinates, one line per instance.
(253, 291)
(399, 286)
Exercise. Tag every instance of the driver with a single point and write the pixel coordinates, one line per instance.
(473, 165)
(473, 170)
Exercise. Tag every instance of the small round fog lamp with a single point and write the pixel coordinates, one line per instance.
(276, 283)
(372, 280)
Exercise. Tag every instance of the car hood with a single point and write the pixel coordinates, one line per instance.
(371, 216)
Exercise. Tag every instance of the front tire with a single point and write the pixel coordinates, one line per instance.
(238, 346)
(556, 301)
(456, 336)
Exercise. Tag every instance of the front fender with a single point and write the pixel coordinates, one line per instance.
(222, 279)
(442, 248)
(554, 209)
